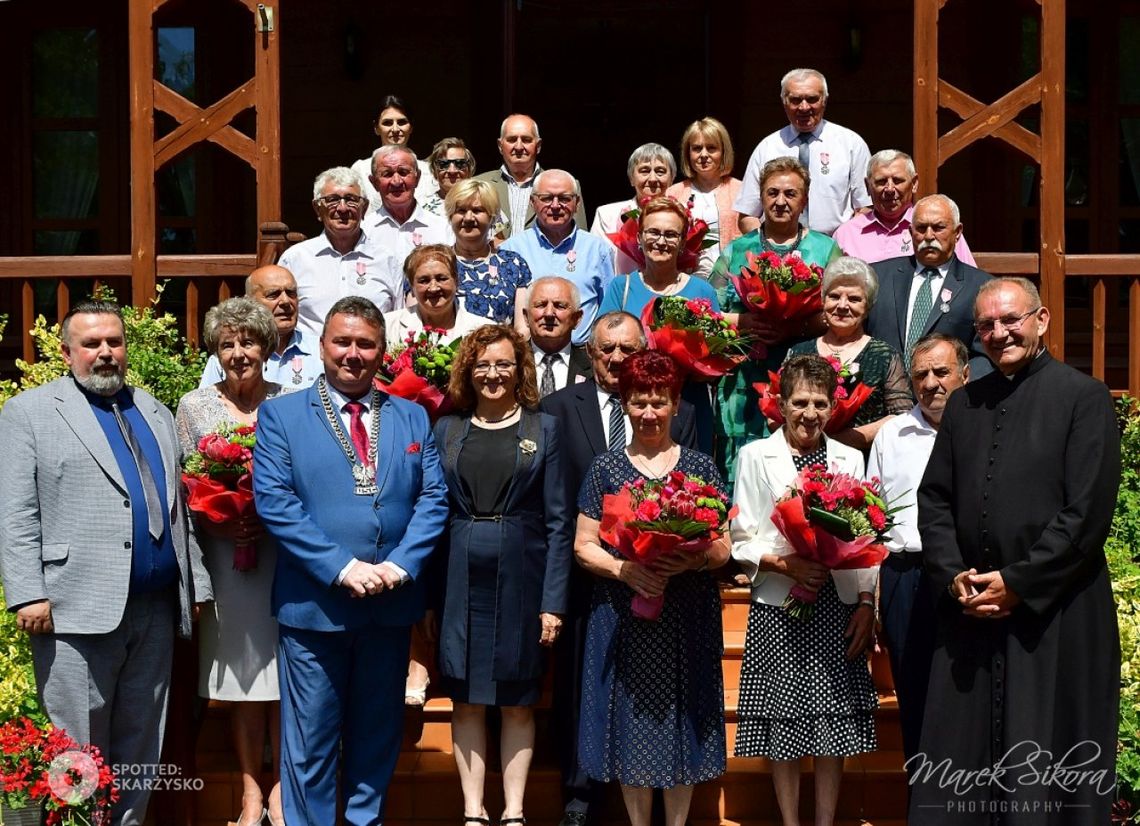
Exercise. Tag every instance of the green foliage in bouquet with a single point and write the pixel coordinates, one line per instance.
(159, 360)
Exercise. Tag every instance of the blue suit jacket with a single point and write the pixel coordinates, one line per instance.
(303, 486)
(887, 319)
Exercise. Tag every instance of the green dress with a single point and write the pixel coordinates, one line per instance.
(881, 369)
(736, 404)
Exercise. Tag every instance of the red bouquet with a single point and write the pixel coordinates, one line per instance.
(219, 483)
(41, 766)
(850, 393)
(626, 239)
(419, 371)
(695, 335)
(784, 290)
(647, 519)
(833, 519)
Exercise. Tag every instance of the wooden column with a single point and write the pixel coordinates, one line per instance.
(925, 149)
(1052, 195)
(143, 236)
(267, 81)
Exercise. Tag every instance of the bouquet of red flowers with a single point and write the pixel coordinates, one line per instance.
(695, 335)
(647, 519)
(42, 766)
(626, 239)
(419, 371)
(782, 289)
(219, 483)
(850, 393)
(833, 519)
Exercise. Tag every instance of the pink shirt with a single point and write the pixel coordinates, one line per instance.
(864, 236)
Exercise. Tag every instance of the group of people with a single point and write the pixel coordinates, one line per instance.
(384, 541)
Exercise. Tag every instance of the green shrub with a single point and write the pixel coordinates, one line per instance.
(17, 680)
(159, 360)
(1124, 566)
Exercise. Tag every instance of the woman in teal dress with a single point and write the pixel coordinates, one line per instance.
(664, 224)
(849, 289)
(783, 192)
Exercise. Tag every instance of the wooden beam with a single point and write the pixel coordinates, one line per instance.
(1008, 263)
(58, 266)
(965, 106)
(140, 36)
(182, 266)
(987, 120)
(1052, 193)
(926, 92)
(205, 123)
(1098, 323)
(1105, 265)
(182, 110)
(27, 315)
(267, 79)
(62, 299)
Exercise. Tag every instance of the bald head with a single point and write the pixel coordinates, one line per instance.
(519, 144)
(275, 288)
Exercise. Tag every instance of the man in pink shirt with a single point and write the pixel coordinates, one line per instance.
(884, 231)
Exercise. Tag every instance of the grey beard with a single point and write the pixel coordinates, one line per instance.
(102, 385)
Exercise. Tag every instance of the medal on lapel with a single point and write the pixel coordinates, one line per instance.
(295, 364)
(824, 160)
(946, 296)
(571, 257)
(417, 239)
(361, 273)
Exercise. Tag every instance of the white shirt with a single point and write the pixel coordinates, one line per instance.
(608, 219)
(324, 275)
(604, 404)
(518, 196)
(424, 189)
(838, 167)
(916, 284)
(340, 402)
(399, 323)
(400, 239)
(898, 457)
(561, 367)
(705, 209)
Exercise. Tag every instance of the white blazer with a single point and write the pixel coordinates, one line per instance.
(764, 471)
(398, 323)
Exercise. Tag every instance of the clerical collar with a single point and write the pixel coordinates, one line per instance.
(1013, 376)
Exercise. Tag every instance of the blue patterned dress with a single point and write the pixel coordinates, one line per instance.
(488, 285)
(652, 692)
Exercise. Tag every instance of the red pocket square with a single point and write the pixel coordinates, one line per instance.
(414, 447)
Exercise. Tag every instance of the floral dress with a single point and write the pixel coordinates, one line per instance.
(488, 285)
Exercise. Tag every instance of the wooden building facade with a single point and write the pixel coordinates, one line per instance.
(149, 140)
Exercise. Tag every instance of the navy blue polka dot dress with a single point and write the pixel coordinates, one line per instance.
(652, 692)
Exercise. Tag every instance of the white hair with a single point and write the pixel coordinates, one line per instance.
(391, 149)
(503, 125)
(538, 180)
(848, 268)
(953, 207)
(802, 74)
(575, 293)
(337, 176)
(886, 157)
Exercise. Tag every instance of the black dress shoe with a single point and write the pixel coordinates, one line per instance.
(573, 819)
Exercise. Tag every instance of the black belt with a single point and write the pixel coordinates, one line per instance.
(904, 560)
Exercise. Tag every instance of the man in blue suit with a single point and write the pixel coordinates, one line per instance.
(349, 484)
(930, 291)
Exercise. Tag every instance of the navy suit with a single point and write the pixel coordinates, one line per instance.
(342, 660)
(576, 408)
(887, 319)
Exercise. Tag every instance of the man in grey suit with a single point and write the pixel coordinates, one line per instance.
(930, 291)
(98, 562)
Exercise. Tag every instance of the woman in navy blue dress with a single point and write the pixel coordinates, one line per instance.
(652, 691)
(508, 558)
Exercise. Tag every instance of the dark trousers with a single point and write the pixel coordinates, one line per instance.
(906, 607)
(580, 792)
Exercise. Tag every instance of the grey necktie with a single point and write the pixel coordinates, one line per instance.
(150, 489)
(546, 386)
(617, 423)
(805, 162)
(921, 312)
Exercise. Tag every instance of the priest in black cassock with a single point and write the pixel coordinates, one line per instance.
(1021, 718)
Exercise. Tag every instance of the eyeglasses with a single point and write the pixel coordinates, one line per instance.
(565, 200)
(1012, 323)
(331, 201)
(670, 235)
(482, 368)
(443, 163)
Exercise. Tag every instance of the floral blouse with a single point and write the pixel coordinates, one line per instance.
(488, 285)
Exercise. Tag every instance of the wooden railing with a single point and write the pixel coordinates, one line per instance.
(204, 272)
